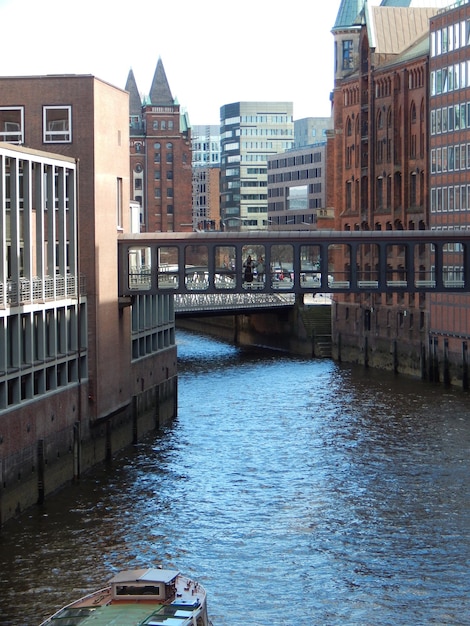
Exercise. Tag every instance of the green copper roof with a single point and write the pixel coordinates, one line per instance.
(348, 13)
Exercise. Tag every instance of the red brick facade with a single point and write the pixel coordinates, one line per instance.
(379, 158)
(163, 152)
(118, 395)
(160, 157)
(449, 179)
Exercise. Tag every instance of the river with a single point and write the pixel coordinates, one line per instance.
(298, 492)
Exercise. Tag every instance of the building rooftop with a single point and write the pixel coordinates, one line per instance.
(135, 103)
(160, 93)
(348, 14)
(393, 29)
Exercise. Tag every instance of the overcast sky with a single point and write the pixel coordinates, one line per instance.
(214, 52)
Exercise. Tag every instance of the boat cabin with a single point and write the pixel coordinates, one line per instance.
(144, 584)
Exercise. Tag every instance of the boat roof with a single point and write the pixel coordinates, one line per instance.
(180, 606)
(152, 575)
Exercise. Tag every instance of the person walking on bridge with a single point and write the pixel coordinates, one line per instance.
(248, 273)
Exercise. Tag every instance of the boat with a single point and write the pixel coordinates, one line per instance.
(139, 597)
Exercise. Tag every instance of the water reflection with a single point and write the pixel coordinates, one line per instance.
(298, 492)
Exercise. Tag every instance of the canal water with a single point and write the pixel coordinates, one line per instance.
(298, 492)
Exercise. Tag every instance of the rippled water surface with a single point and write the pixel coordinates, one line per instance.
(298, 492)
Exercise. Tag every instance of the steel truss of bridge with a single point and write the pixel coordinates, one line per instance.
(294, 262)
(191, 304)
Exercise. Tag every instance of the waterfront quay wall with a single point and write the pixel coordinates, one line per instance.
(404, 347)
(300, 330)
(50, 443)
(436, 359)
(390, 339)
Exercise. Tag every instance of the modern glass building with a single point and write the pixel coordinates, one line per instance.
(250, 132)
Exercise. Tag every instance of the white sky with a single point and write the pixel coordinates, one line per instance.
(213, 52)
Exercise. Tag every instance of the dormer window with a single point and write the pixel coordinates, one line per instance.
(57, 124)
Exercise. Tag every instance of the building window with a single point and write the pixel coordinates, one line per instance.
(57, 124)
(12, 124)
(413, 190)
(347, 54)
(119, 202)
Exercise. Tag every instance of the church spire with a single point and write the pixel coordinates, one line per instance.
(160, 94)
(135, 103)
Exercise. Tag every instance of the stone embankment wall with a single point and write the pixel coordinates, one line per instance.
(310, 331)
(53, 448)
(304, 330)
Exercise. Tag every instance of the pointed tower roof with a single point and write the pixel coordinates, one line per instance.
(135, 103)
(160, 94)
(348, 13)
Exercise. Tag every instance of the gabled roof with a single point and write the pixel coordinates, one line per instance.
(393, 29)
(418, 49)
(160, 94)
(135, 103)
(349, 12)
(416, 4)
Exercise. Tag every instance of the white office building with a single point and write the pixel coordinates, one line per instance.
(250, 133)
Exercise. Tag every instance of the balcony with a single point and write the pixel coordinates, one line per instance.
(45, 289)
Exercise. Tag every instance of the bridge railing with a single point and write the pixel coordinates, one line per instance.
(295, 262)
(194, 302)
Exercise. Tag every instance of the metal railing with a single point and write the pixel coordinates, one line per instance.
(26, 291)
(194, 302)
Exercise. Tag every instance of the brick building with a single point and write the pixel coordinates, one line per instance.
(449, 181)
(379, 159)
(80, 375)
(160, 156)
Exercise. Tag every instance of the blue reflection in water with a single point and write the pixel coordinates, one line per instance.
(298, 492)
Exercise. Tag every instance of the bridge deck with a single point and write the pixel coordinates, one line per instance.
(295, 262)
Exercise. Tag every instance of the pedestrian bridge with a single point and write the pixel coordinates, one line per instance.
(206, 304)
(296, 262)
